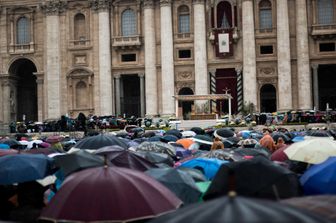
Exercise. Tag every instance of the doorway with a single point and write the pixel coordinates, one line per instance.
(130, 95)
(186, 105)
(268, 98)
(327, 87)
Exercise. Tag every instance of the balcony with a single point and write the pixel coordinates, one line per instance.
(82, 43)
(126, 42)
(323, 31)
(21, 48)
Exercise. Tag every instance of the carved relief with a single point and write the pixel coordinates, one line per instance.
(267, 71)
(100, 4)
(148, 4)
(54, 7)
(185, 75)
(165, 2)
(80, 60)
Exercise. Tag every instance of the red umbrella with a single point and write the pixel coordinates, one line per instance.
(110, 194)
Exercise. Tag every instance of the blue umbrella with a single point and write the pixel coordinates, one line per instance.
(4, 146)
(24, 167)
(320, 178)
(209, 166)
(298, 138)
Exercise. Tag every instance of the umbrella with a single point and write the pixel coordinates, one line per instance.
(169, 138)
(239, 209)
(320, 178)
(252, 152)
(224, 154)
(209, 166)
(44, 151)
(5, 152)
(108, 149)
(313, 151)
(257, 177)
(24, 167)
(110, 194)
(248, 143)
(128, 159)
(77, 161)
(159, 147)
(204, 141)
(245, 134)
(182, 153)
(148, 134)
(318, 133)
(174, 132)
(11, 142)
(99, 141)
(156, 158)
(179, 182)
(54, 139)
(197, 175)
(224, 133)
(277, 135)
(298, 139)
(323, 205)
(188, 134)
(198, 130)
(4, 146)
(154, 139)
(186, 143)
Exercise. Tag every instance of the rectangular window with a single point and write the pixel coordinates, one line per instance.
(266, 49)
(183, 54)
(325, 12)
(327, 47)
(184, 24)
(128, 57)
(265, 19)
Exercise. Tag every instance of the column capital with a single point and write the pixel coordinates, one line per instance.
(165, 3)
(54, 7)
(117, 76)
(198, 2)
(314, 66)
(100, 5)
(212, 70)
(238, 69)
(141, 75)
(148, 4)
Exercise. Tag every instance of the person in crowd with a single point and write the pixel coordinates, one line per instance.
(279, 154)
(217, 144)
(267, 142)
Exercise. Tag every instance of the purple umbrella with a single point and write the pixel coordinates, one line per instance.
(110, 194)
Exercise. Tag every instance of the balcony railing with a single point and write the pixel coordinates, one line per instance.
(323, 29)
(21, 48)
(126, 41)
(80, 43)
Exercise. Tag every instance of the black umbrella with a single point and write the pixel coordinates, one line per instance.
(256, 177)
(11, 142)
(99, 141)
(156, 158)
(108, 149)
(277, 135)
(76, 161)
(174, 132)
(159, 147)
(198, 130)
(224, 154)
(224, 133)
(252, 152)
(196, 174)
(179, 182)
(128, 159)
(318, 133)
(148, 134)
(239, 209)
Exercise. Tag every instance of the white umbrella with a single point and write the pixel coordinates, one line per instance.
(312, 151)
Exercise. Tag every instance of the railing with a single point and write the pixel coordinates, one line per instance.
(21, 48)
(126, 41)
(323, 29)
(183, 35)
(79, 43)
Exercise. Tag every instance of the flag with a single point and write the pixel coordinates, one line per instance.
(223, 43)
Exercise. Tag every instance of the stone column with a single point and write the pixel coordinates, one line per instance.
(167, 58)
(53, 58)
(6, 106)
(150, 59)
(316, 86)
(284, 60)
(249, 54)
(105, 78)
(302, 51)
(40, 96)
(142, 94)
(200, 50)
(117, 93)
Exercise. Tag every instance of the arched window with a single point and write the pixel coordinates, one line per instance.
(183, 19)
(79, 27)
(224, 15)
(325, 12)
(265, 15)
(22, 31)
(128, 23)
(81, 95)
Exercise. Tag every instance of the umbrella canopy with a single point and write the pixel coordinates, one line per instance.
(24, 167)
(54, 139)
(224, 133)
(5, 152)
(256, 177)
(204, 141)
(73, 162)
(174, 132)
(159, 147)
(320, 178)
(318, 133)
(11, 142)
(156, 158)
(313, 151)
(224, 154)
(245, 134)
(197, 175)
(209, 166)
(186, 143)
(188, 134)
(110, 194)
(179, 182)
(248, 143)
(108, 149)
(4, 146)
(44, 151)
(277, 135)
(239, 209)
(252, 152)
(128, 159)
(198, 130)
(323, 205)
(169, 138)
(99, 141)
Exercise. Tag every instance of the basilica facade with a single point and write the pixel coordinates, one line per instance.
(115, 57)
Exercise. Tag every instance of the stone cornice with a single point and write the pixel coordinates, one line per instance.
(165, 3)
(100, 5)
(54, 7)
(198, 2)
(148, 4)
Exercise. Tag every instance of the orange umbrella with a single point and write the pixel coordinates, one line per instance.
(186, 143)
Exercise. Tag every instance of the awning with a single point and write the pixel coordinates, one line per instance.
(202, 97)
